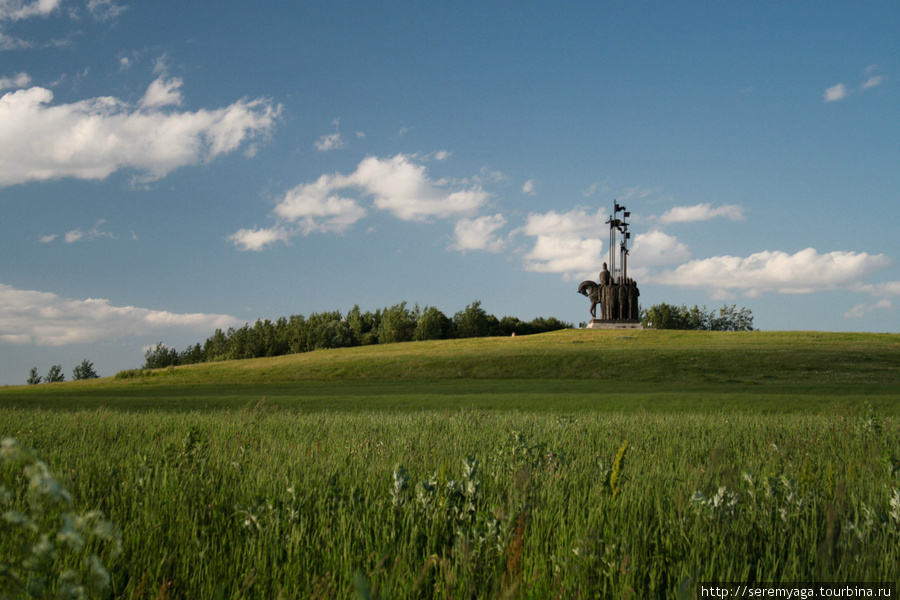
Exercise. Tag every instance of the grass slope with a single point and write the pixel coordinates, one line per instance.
(565, 370)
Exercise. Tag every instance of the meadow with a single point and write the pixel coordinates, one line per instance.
(571, 464)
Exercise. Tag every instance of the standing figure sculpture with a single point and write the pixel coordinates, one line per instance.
(615, 292)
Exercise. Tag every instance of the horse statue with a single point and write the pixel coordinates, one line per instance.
(592, 291)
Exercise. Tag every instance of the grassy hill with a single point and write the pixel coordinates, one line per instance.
(564, 370)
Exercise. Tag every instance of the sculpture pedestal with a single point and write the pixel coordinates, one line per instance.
(604, 324)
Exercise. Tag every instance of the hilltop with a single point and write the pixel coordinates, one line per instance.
(575, 367)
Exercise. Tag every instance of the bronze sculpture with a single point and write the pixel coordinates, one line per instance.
(615, 292)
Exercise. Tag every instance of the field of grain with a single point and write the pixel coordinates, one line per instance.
(362, 497)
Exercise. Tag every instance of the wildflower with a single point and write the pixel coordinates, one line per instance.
(69, 535)
(895, 507)
(401, 482)
(44, 485)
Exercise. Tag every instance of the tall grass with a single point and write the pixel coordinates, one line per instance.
(267, 503)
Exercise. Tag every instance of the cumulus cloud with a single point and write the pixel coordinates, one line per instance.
(403, 188)
(806, 271)
(656, 248)
(15, 10)
(479, 234)
(163, 92)
(333, 203)
(19, 80)
(702, 212)
(573, 258)
(317, 207)
(45, 319)
(93, 138)
(836, 92)
(566, 243)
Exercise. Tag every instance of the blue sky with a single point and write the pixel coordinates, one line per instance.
(167, 169)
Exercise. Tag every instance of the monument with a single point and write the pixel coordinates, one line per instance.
(615, 293)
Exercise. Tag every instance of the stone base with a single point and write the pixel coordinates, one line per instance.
(602, 324)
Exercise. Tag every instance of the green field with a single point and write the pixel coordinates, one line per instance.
(570, 464)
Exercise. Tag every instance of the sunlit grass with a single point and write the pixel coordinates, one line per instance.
(577, 463)
(559, 371)
(261, 502)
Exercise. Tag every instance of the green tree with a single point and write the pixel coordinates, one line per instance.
(191, 355)
(728, 318)
(84, 371)
(365, 326)
(732, 318)
(545, 324)
(474, 321)
(513, 326)
(295, 334)
(33, 377)
(55, 375)
(398, 324)
(432, 324)
(160, 357)
(215, 347)
(327, 330)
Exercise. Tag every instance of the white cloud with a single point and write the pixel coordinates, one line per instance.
(163, 92)
(316, 207)
(806, 271)
(860, 310)
(566, 243)
(45, 319)
(591, 190)
(77, 235)
(655, 249)
(479, 234)
(398, 185)
(887, 289)
(20, 80)
(836, 92)
(528, 187)
(15, 10)
(403, 188)
(257, 239)
(93, 138)
(702, 212)
(576, 222)
(8, 42)
(328, 142)
(104, 10)
(442, 155)
(574, 257)
(873, 81)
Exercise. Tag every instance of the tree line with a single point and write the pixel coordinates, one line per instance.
(318, 331)
(727, 318)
